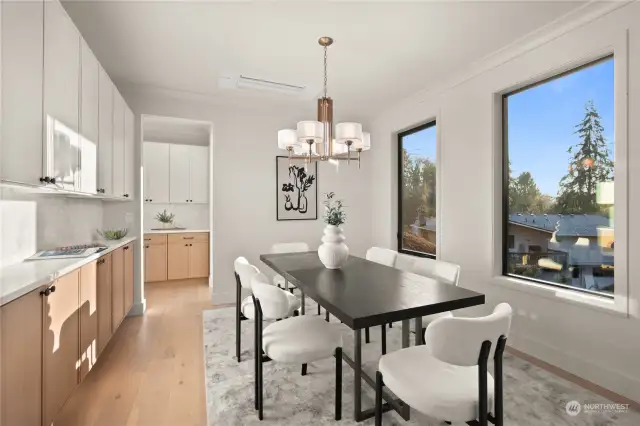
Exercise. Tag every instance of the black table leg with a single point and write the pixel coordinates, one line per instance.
(357, 375)
(418, 328)
(406, 324)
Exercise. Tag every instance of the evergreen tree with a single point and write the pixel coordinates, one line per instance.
(590, 164)
(524, 194)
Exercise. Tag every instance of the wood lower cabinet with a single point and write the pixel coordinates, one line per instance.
(199, 259)
(155, 262)
(128, 277)
(104, 301)
(88, 317)
(61, 343)
(21, 361)
(178, 260)
(117, 288)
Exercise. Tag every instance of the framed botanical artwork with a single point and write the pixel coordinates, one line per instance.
(296, 190)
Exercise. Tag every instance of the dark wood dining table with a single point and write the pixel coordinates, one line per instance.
(365, 294)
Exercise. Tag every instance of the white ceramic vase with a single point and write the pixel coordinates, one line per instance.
(333, 252)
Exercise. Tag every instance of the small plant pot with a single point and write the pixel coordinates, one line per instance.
(166, 225)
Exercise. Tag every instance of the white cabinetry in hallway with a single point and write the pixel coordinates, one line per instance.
(156, 172)
(64, 123)
(189, 176)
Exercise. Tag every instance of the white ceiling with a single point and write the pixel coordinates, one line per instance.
(383, 52)
(175, 130)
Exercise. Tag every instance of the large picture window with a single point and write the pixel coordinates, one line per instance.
(417, 191)
(559, 179)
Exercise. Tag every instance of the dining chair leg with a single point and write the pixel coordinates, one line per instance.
(424, 336)
(383, 338)
(319, 311)
(238, 313)
(378, 407)
(483, 398)
(304, 369)
(366, 335)
(499, 384)
(338, 383)
(257, 357)
(390, 325)
(260, 381)
(326, 317)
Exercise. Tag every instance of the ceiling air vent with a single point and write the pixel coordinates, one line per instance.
(244, 82)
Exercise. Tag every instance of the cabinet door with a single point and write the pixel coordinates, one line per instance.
(61, 95)
(89, 119)
(105, 141)
(128, 278)
(21, 360)
(199, 174)
(88, 317)
(61, 343)
(21, 39)
(129, 153)
(118, 144)
(155, 262)
(178, 261)
(156, 172)
(117, 288)
(179, 173)
(199, 259)
(104, 301)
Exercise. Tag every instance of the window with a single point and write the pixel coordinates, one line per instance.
(558, 180)
(417, 191)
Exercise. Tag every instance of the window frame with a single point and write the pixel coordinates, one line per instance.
(400, 170)
(505, 174)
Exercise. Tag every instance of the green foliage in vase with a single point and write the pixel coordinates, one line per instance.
(114, 234)
(165, 217)
(333, 213)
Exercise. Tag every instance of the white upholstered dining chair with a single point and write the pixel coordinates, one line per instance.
(244, 273)
(295, 340)
(448, 378)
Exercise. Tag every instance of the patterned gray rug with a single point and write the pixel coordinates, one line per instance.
(533, 396)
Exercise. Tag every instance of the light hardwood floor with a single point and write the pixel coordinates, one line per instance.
(151, 372)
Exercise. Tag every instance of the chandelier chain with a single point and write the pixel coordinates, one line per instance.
(325, 71)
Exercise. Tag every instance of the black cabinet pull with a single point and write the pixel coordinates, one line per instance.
(45, 292)
(126, 248)
(52, 180)
(146, 246)
(53, 289)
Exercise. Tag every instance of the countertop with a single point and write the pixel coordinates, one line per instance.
(24, 277)
(174, 231)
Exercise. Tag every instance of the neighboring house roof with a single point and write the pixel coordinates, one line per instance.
(429, 224)
(564, 225)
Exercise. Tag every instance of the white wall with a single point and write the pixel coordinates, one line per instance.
(190, 216)
(31, 221)
(244, 210)
(596, 344)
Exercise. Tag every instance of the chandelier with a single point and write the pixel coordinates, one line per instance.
(314, 140)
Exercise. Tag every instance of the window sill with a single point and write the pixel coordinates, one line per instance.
(600, 304)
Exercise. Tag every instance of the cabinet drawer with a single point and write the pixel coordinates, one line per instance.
(188, 236)
(155, 239)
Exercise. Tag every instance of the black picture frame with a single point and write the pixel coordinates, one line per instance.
(312, 213)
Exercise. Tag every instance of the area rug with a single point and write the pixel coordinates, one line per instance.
(533, 396)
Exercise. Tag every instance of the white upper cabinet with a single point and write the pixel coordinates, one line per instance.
(118, 144)
(199, 174)
(89, 119)
(21, 117)
(105, 139)
(189, 174)
(61, 96)
(156, 172)
(129, 152)
(179, 191)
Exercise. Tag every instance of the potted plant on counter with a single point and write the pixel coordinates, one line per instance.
(166, 219)
(333, 252)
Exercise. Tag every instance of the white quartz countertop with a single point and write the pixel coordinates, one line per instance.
(173, 231)
(24, 277)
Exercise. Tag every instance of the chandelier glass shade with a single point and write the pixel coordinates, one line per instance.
(315, 140)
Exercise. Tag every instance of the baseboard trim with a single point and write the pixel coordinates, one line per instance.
(138, 309)
(605, 382)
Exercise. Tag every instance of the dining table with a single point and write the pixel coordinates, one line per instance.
(363, 294)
